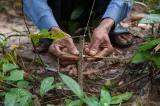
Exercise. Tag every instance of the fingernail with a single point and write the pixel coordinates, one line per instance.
(76, 52)
(92, 52)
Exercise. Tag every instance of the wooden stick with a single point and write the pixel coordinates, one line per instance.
(81, 61)
(108, 58)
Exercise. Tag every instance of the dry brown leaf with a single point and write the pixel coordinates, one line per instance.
(157, 48)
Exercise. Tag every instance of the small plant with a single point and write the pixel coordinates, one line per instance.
(105, 97)
(148, 52)
(13, 85)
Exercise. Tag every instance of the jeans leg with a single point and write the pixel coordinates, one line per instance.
(55, 5)
(124, 11)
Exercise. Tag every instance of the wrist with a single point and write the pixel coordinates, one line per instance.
(56, 28)
(107, 23)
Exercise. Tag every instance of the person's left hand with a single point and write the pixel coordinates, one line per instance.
(100, 44)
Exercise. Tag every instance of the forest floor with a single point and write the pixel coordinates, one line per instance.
(130, 77)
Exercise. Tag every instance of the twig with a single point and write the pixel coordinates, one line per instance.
(89, 18)
(82, 43)
(14, 35)
(109, 58)
(53, 100)
(131, 82)
(8, 83)
(80, 63)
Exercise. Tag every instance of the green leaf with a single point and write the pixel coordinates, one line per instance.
(140, 57)
(151, 19)
(144, 51)
(46, 85)
(122, 97)
(22, 84)
(105, 99)
(149, 44)
(2, 94)
(8, 67)
(156, 60)
(55, 35)
(74, 103)
(116, 100)
(10, 99)
(18, 97)
(24, 98)
(72, 85)
(109, 84)
(2, 76)
(3, 44)
(15, 75)
(76, 13)
(92, 101)
(50, 105)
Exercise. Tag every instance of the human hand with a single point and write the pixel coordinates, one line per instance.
(100, 44)
(64, 49)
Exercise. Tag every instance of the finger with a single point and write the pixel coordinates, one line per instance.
(58, 51)
(107, 48)
(73, 50)
(87, 49)
(71, 47)
(55, 50)
(64, 49)
(103, 53)
(69, 57)
(94, 47)
(107, 41)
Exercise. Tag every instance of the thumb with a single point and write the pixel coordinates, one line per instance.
(72, 48)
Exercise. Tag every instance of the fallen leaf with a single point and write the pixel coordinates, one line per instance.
(157, 48)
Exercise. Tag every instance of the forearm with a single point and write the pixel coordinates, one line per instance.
(40, 13)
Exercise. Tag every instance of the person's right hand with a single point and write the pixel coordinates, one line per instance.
(64, 49)
(100, 45)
